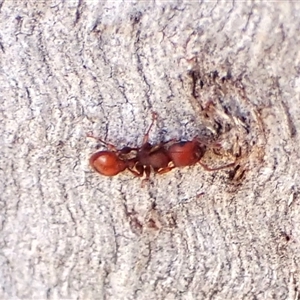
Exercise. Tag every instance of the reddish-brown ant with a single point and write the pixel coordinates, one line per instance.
(159, 158)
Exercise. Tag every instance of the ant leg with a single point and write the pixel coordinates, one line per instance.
(165, 170)
(126, 150)
(168, 142)
(146, 136)
(135, 173)
(216, 169)
(108, 145)
(111, 147)
(147, 179)
(223, 167)
(139, 169)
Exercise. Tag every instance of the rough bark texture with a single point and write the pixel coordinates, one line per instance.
(226, 71)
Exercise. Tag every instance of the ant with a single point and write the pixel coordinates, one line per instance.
(141, 160)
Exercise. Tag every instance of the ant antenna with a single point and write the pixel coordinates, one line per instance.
(146, 136)
(108, 145)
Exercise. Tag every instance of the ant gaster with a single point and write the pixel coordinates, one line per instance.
(109, 163)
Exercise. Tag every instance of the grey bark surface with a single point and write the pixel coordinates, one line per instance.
(225, 71)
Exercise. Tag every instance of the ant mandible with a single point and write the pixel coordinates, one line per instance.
(141, 160)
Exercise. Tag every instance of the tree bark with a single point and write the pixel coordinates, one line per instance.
(227, 72)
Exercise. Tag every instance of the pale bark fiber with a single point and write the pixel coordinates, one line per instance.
(226, 71)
